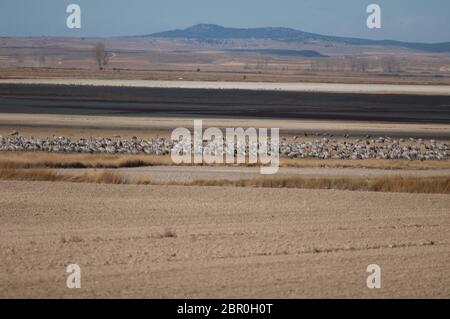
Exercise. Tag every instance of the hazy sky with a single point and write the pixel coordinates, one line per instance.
(407, 20)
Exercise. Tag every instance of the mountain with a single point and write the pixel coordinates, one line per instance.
(212, 31)
(207, 32)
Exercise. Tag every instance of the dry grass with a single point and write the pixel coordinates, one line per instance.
(71, 239)
(168, 233)
(367, 163)
(16, 160)
(101, 177)
(436, 185)
(36, 167)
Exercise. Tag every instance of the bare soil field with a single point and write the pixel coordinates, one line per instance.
(187, 242)
(189, 73)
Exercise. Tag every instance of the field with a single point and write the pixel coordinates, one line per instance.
(188, 242)
(141, 226)
(239, 60)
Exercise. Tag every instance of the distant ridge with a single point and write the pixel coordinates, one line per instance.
(212, 31)
(298, 53)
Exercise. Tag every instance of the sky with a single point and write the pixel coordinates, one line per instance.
(404, 20)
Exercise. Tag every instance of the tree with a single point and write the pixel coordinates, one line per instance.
(390, 64)
(41, 61)
(101, 56)
(359, 64)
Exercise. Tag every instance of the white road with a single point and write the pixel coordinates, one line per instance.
(270, 86)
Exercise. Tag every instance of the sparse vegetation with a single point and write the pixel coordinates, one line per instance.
(367, 163)
(71, 239)
(168, 233)
(13, 160)
(75, 160)
(101, 177)
(398, 184)
(390, 183)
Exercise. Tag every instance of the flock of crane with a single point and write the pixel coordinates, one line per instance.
(322, 148)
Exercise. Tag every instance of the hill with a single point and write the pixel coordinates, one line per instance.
(208, 32)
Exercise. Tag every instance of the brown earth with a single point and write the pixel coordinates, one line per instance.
(187, 242)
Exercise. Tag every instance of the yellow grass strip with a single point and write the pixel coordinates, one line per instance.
(367, 163)
(429, 185)
(15, 160)
(101, 177)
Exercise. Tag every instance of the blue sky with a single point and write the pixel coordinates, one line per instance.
(406, 20)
